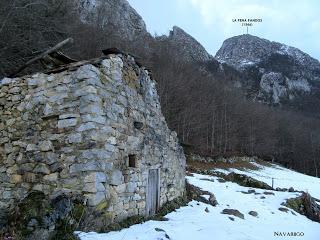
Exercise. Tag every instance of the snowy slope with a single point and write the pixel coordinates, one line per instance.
(193, 222)
(283, 178)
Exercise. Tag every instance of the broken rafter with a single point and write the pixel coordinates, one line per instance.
(39, 57)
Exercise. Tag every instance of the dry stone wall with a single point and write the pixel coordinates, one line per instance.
(73, 132)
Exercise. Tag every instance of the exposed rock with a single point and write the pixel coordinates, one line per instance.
(207, 179)
(118, 13)
(268, 193)
(188, 48)
(253, 213)
(195, 193)
(213, 201)
(291, 189)
(305, 205)
(233, 212)
(282, 209)
(250, 191)
(221, 180)
(246, 181)
(159, 230)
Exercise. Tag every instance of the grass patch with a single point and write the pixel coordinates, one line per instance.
(164, 210)
(246, 181)
(38, 217)
(123, 224)
(170, 207)
(241, 165)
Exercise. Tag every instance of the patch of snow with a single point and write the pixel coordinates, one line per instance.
(284, 50)
(300, 56)
(193, 222)
(246, 62)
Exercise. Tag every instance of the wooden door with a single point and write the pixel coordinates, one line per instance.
(153, 190)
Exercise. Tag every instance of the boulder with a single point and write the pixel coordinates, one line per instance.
(253, 213)
(305, 205)
(233, 212)
(195, 193)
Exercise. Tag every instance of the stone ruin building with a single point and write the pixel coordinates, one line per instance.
(94, 129)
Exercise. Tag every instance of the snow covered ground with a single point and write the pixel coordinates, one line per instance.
(193, 222)
(282, 177)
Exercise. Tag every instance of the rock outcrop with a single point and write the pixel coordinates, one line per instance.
(305, 205)
(117, 14)
(188, 48)
(126, 23)
(233, 212)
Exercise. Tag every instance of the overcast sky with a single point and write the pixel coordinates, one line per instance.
(293, 22)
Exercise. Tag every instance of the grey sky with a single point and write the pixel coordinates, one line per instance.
(292, 22)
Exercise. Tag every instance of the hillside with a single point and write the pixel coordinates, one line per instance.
(256, 97)
(186, 46)
(274, 73)
(199, 220)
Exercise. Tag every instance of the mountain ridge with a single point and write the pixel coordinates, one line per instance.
(266, 46)
(187, 45)
(276, 72)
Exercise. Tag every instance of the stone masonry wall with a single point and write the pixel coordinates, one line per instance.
(72, 132)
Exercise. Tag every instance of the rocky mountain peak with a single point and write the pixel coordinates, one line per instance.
(273, 72)
(178, 32)
(247, 49)
(117, 13)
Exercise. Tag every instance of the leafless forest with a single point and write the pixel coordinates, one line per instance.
(211, 117)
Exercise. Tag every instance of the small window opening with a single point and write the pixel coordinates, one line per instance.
(132, 160)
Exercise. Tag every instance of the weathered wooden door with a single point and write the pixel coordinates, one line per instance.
(153, 192)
